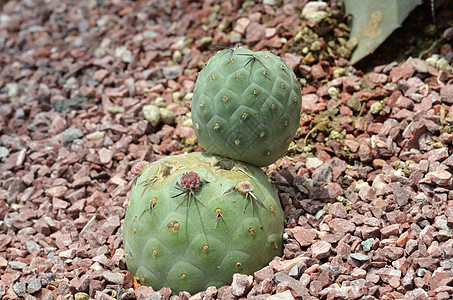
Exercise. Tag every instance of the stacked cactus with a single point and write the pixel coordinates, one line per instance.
(246, 106)
(195, 219)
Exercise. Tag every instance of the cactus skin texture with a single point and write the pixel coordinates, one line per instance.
(246, 106)
(170, 241)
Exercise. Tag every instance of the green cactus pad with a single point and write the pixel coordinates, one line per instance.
(233, 222)
(246, 106)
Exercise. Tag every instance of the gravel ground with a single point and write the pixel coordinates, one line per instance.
(366, 185)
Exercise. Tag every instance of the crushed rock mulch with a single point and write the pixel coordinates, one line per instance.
(366, 185)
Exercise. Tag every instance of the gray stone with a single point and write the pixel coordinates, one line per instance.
(2, 289)
(154, 296)
(367, 244)
(32, 246)
(281, 277)
(34, 285)
(17, 265)
(116, 278)
(442, 224)
(297, 269)
(124, 54)
(360, 257)
(421, 272)
(20, 288)
(71, 134)
(171, 72)
(271, 2)
(13, 90)
(4, 152)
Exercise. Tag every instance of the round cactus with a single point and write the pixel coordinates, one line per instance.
(194, 220)
(246, 106)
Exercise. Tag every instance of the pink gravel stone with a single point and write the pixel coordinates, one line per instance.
(264, 273)
(321, 249)
(255, 32)
(59, 204)
(378, 78)
(99, 75)
(105, 155)
(365, 151)
(390, 230)
(402, 239)
(404, 102)
(241, 284)
(337, 210)
(58, 124)
(446, 93)
(292, 60)
(358, 273)
(304, 236)
(57, 191)
(318, 72)
(402, 72)
(341, 226)
(242, 24)
(352, 145)
(309, 103)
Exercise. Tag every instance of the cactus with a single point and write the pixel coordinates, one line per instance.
(246, 106)
(195, 219)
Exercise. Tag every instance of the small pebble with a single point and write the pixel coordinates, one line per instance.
(360, 257)
(4, 152)
(71, 134)
(20, 288)
(17, 265)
